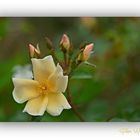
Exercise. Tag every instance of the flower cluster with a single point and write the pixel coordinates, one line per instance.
(43, 90)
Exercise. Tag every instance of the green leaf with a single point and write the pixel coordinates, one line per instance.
(82, 76)
(90, 64)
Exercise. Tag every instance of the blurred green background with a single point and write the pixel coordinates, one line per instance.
(110, 92)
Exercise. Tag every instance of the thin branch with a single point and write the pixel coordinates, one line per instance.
(65, 59)
(74, 109)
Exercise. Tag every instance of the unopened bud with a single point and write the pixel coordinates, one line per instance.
(84, 54)
(34, 51)
(65, 43)
(87, 51)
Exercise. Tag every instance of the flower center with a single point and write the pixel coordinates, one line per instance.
(43, 89)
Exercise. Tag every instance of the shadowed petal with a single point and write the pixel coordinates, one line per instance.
(43, 68)
(57, 81)
(36, 106)
(56, 103)
(24, 89)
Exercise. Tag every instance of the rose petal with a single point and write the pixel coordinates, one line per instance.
(57, 82)
(36, 106)
(56, 103)
(24, 89)
(43, 68)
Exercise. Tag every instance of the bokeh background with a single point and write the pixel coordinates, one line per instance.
(109, 92)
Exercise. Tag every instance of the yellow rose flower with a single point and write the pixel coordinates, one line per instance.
(44, 93)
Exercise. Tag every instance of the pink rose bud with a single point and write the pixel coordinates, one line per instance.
(65, 42)
(87, 51)
(34, 51)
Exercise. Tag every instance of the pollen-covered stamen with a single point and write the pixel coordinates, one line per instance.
(43, 89)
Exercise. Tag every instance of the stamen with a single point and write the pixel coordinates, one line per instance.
(42, 89)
